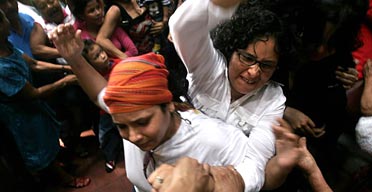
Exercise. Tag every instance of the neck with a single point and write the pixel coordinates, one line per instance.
(235, 95)
(173, 126)
(93, 29)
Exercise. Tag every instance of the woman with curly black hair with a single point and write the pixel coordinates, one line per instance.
(231, 76)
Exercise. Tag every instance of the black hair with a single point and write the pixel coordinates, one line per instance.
(248, 25)
(78, 7)
(88, 43)
(253, 22)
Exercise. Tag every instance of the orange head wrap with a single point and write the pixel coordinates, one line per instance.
(137, 83)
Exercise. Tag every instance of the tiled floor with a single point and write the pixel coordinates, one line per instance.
(93, 166)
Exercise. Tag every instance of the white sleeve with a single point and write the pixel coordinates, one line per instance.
(190, 26)
(101, 102)
(363, 131)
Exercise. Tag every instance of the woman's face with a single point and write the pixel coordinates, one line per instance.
(98, 58)
(93, 13)
(147, 128)
(253, 67)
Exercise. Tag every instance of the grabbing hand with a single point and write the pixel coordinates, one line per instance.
(226, 178)
(301, 123)
(157, 27)
(286, 145)
(347, 77)
(186, 175)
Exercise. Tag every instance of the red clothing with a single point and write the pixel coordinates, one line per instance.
(365, 51)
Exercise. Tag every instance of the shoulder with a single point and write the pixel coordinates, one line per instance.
(25, 17)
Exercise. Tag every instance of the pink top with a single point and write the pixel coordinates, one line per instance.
(119, 38)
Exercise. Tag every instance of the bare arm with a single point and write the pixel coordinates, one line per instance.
(70, 45)
(366, 101)
(106, 31)
(39, 41)
(311, 170)
(36, 65)
(29, 92)
(287, 156)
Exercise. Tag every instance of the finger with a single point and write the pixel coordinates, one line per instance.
(310, 123)
(353, 71)
(284, 124)
(163, 169)
(319, 131)
(158, 183)
(206, 167)
(302, 142)
(309, 130)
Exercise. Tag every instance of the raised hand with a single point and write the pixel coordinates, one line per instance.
(67, 40)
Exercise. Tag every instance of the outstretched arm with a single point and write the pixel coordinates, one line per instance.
(70, 45)
(311, 170)
(287, 156)
(37, 65)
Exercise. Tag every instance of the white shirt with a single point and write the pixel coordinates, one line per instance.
(254, 113)
(31, 11)
(205, 139)
(363, 131)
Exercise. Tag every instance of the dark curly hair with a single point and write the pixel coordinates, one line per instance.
(249, 24)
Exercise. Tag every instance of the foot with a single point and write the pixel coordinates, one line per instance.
(109, 166)
(78, 182)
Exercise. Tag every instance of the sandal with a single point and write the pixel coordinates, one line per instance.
(79, 182)
(109, 166)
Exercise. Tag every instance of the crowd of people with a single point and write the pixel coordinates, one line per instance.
(201, 95)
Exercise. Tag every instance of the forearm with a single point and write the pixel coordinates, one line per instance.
(89, 79)
(317, 182)
(366, 99)
(274, 174)
(45, 52)
(111, 49)
(41, 66)
(47, 90)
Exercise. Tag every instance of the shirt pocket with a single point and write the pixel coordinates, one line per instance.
(208, 105)
(244, 120)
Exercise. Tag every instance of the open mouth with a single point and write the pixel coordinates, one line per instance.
(248, 81)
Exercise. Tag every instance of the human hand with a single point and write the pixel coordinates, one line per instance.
(67, 41)
(301, 123)
(286, 146)
(186, 175)
(347, 77)
(306, 162)
(157, 27)
(226, 178)
(70, 79)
